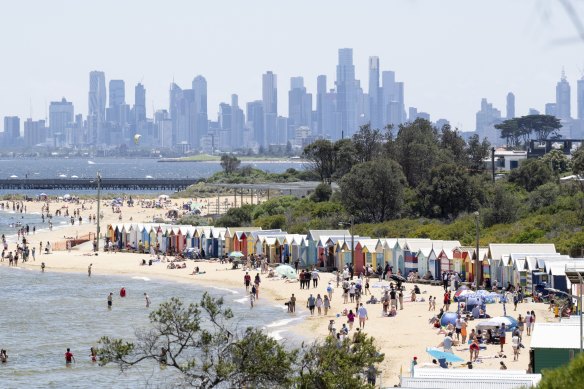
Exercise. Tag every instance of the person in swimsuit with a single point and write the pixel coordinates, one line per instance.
(69, 358)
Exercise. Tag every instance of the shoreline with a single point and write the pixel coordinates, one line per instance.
(400, 338)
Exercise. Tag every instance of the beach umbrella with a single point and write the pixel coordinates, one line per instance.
(448, 318)
(510, 323)
(67, 196)
(286, 271)
(43, 194)
(461, 294)
(439, 354)
(236, 254)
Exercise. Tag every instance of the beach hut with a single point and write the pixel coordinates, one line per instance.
(410, 250)
(534, 268)
(554, 344)
(369, 252)
(499, 255)
(426, 261)
(312, 240)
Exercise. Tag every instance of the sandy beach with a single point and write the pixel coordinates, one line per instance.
(400, 338)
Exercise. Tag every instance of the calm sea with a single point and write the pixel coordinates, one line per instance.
(41, 314)
(9, 222)
(117, 168)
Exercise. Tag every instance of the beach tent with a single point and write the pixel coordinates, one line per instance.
(448, 318)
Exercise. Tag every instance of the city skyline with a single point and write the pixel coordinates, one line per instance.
(447, 72)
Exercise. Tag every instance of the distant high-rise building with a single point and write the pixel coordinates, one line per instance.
(34, 132)
(237, 123)
(117, 93)
(375, 98)
(202, 119)
(346, 94)
(299, 106)
(270, 101)
(510, 105)
(563, 110)
(320, 96)
(393, 105)
(580, 98)
(61, 114)
(96, 112)
(551, 109)
(11, 129)
(255, 121)
(486, 119)
(139, 103)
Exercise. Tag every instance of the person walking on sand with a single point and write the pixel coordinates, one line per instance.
(315, 278)
(110, 300)
(292, 304)
(362, 313)
(319, 304)
(147, 298)
(326, 304)
(69, 358)
(42, 267)
(89, 270)
(246, 281)
(310, 304)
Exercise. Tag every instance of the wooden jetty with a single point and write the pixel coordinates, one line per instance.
(91, 183)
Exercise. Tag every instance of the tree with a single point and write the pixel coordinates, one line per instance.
(416, 150)
(557, 161)
(322, 192)
(368, 143)
(452, 142)
(205, 353)
(229, 163)
(504, 207)
(578, 162)
(373, 191)
(345, 157)
(334, 364)
(321, 157)
(477, 151)
(542, 125)
(567, 376)
(236, 217)
(448, 193)
(531, 174)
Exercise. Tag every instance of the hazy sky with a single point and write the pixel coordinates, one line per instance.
(449, 53)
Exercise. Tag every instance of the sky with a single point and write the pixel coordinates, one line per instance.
(449, 53)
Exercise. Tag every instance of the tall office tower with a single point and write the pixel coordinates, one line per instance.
(34, 132)
(270, 101)
(580, 97)
(412, 114)
(283, 130)
(375, 100)
(563, 98)
(96, 112)
(237, 123)
(255, 121)
(551, 109)
(320, 96)
(388, 94)
(180, 105)
(11, 129)
(199, 86)
(510, 105)
(61, 114)
(139, 103)
(117, 100)
(346, 94)
(299, 106)
(486, 119)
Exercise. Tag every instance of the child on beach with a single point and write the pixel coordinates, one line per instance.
(430, 303)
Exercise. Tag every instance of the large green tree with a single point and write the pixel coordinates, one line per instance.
(417, 151)
(345, 157)
(568, 376)
(321, 158)
(338, 364)
(368, 143)
(531, 174)
(229, 163)
(373, 191)
(205, 353)
(449, 192)
(477, 151)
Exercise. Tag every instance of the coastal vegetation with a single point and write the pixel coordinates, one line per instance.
(199, 343)
(420, 181)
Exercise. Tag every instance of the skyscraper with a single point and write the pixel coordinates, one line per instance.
(374, 93)
(255, 120)
(345, 86)
(270, 102)
(299, 106)
(510, 105)
(202, 119)
(11, 128)
(61, 114)
(117, 101)
(139, 103)
(563, 110)
(97, 100)
(320, 96)
(486, 119)
(580, 97)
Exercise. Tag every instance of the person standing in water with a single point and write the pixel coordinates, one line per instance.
(89, 270)
(43, 267)
(110, 300)
(69, 358)
(147, 298)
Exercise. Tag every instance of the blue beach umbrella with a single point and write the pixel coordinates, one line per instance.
(286, 271)
(439, 354)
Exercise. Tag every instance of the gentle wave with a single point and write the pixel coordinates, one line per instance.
(225, 289)
(141, 278)
(282, 322)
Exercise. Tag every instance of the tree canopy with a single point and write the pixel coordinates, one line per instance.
(518, 131)
(229, 163)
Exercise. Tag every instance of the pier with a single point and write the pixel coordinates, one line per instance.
(90, 183)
